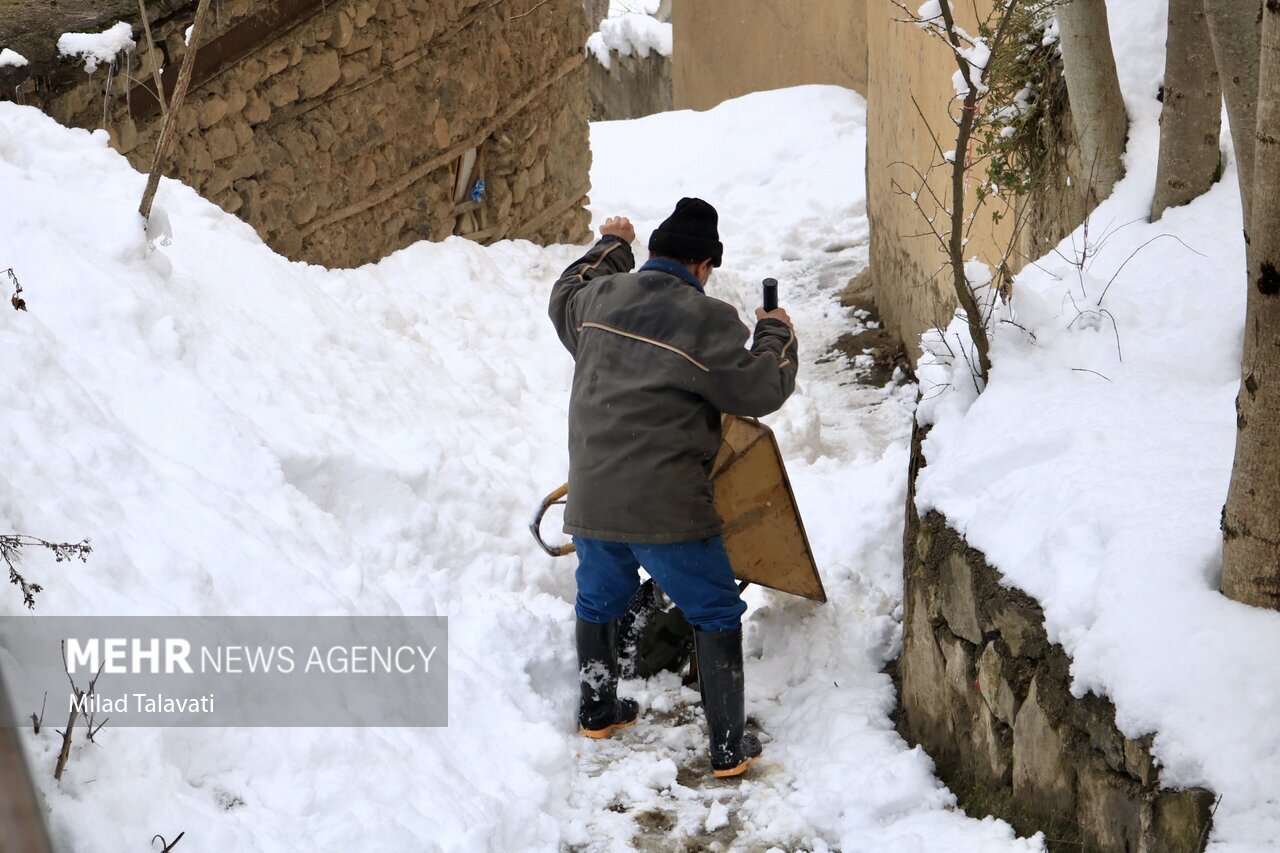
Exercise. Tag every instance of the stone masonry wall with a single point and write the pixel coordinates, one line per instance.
(988, 697)
(345, 129)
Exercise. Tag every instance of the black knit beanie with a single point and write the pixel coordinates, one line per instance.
(689, 234)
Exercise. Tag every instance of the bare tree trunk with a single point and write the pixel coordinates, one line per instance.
(1097, 107)
(1233, 30)
(170, 126)
(1251, 517)
(1191, 119)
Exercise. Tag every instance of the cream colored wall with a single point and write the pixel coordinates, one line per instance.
(906, 64)
(908, 68)
(728, 48)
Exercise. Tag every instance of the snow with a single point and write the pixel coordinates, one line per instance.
(11, 59)
(1093, 469)
(627, 34)
(239, 434)
(96, 48)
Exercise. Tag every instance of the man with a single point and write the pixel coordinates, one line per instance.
(657, 362)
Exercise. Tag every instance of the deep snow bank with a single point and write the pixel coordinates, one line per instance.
(1093, 469)
(239, 434)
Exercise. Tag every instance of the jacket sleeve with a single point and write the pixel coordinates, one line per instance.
(608, 256)
(740, 380)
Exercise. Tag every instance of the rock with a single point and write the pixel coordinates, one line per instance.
(277, 62)
(1138, 762)
(995, 689)
(245, 166)
(236, 100)
(303, 209)
(282, 92)
(197, 154)
(320, 71)
(993, 749)
(363, 12)
(956, 597)
(959, 668)
(1112, 809)
(1021, 628)
(256, 109)
(212, 111)
(242, 131)
(1041, 774)
(221, 142)
(343, 30)
(353, 69)
(125, 136)
(1180, 821)
(1096, 718)
(923, 670)
(520, 188)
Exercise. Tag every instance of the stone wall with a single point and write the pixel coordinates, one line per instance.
(728, 48)
(908, 91)
(987, 695)
(345, 129)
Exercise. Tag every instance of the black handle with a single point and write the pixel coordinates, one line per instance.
(770, 294)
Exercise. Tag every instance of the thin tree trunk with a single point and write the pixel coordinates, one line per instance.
(170, 126)
(1097, 107)
(1233, 31)
(1191, 119)
(1251, 517)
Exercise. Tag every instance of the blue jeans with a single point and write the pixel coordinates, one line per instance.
(696, 575)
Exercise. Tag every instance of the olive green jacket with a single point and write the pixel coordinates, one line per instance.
(657, 362)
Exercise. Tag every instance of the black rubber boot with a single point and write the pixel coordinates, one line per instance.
(721, 682)
(601, 712)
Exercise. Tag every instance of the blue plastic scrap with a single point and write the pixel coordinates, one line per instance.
(477, 190)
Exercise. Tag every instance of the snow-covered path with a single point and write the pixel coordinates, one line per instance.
(243, 435)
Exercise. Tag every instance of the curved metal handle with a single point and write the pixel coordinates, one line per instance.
(535, 525)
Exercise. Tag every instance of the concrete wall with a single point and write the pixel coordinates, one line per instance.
(728, 48)
(338, 129)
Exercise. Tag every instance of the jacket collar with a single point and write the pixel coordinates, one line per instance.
(674, 268)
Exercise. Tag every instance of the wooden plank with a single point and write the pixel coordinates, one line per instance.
(762, 529)
(230, 47)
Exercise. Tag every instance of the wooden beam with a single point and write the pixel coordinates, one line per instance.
(230, 47)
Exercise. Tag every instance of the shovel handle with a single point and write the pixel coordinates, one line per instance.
(770, 294)
(535, 525)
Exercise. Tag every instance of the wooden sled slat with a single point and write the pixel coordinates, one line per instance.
(762, 529)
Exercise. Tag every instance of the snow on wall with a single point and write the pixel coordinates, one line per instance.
(11, 58)
(97, 48)
(628, 34)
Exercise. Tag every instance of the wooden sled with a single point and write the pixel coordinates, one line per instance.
(762, 529)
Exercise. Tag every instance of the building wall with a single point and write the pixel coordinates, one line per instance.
(631, 87)
(908, 92)
(728, 48)
(338, 130)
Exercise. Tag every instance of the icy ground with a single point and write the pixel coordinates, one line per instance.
(239, 434)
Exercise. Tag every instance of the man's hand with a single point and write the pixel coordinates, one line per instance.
(619, 226)
(775, 314)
